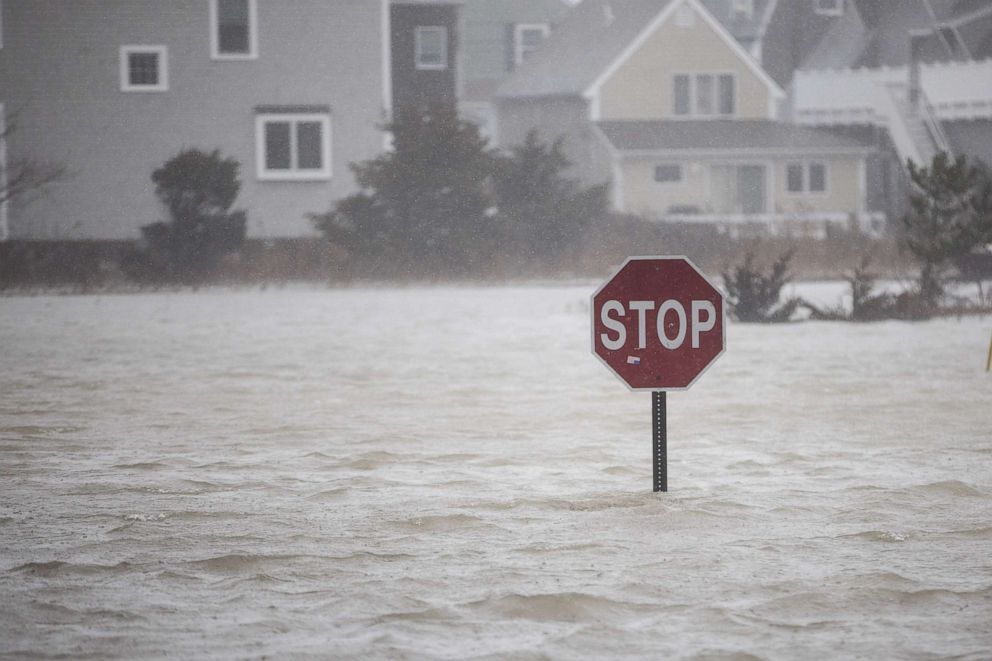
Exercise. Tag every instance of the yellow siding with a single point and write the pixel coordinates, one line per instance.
(843, 187)
(643, 195)
(642, 87)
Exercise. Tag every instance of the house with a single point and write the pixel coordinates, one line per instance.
(295, 90)
(114, 88)
(660, 99)
(497, 37)
(918, 69)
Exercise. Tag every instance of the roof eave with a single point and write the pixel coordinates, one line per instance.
(739, 151)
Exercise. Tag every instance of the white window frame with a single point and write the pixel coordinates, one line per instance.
(418, 31)
(693, 99)
(518, 38)
(804, 168)
(836, 10)
(294, 173)
(674, 182)
(162, 52)
(215, 52)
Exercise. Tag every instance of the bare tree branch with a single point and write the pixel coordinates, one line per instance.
(25, 175)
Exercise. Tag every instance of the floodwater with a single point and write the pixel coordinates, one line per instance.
(449, 473)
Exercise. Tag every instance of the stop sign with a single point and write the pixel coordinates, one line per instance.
(658, 323)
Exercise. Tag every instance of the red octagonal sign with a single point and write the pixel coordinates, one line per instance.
(658, 323)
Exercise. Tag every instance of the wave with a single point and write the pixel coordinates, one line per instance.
(949, 488)
(142, 465)
(594, 504)
(144, 518)
(559, 607)
(877, 536)
(980, 533)
(443, 522)
(328, 494)
(40, 430)
(241, 562)
(237, 562)
(54, 568)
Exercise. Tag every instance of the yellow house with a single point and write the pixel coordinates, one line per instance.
(684, 122)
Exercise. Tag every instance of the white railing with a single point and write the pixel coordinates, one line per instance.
(956, 90)
(893, 105)
(936, 131)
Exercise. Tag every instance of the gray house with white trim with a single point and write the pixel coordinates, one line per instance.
(295, 90)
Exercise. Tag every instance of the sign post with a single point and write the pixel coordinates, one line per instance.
(659, 427)
(658, 324)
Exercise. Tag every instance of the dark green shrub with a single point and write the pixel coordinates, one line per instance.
(950, 214)
(753, 294)
(197, 189)
(544, 213)
(441, 202)
(425, 206)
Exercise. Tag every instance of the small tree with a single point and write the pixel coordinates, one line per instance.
(544, 212)
(426, 205)
(950, 213)
(197, 189)
(754, 295)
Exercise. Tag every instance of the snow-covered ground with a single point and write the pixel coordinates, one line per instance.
(448, 472)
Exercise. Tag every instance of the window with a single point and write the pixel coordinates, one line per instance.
(682, 103)
(527, 38)
(144, 69)
(806, 178)
(727, 94)
(817, 178)
(738, 189)
(431, 47)
(829, 7)
(669, 173)
(293, 146)
(704, 95)
(685, 17)
(233, 29)
(794, 178)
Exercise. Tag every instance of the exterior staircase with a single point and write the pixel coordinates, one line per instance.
(917, 135)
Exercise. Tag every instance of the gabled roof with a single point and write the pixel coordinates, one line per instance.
(596, 39)
(725, 135)
(586, 42)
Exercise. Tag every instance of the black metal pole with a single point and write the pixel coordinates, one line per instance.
(659, 425)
